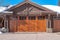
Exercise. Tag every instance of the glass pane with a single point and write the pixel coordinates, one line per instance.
(22, 18)
(32, 18)
(39, 17)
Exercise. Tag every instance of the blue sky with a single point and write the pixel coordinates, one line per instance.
(40, 2)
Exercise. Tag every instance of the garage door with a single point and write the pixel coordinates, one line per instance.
(56, 25)
(12, 26)
(28, 24)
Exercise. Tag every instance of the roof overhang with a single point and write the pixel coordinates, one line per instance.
(34, 13)
(6, 13)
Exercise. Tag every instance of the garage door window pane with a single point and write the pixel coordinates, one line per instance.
(32, 18)
(39, 17)
(22, 18)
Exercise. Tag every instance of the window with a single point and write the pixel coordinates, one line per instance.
(32, 18)
(22, 18)
(43, 17)
(39, 17)
(55, 17)
(46, 16)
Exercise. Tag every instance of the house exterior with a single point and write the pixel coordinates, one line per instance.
(30, 17)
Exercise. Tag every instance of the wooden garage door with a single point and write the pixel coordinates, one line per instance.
(29, 24)
(12, 27)
(56, 25)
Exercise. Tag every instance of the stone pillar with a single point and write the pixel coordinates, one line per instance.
(5, 23)
(49, 29)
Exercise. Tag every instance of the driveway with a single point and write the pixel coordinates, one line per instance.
(30, 36)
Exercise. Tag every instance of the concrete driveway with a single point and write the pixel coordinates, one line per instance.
(30, 36)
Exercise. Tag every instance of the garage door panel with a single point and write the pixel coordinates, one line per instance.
(31, 25)
(42, 25)
(22, 25)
